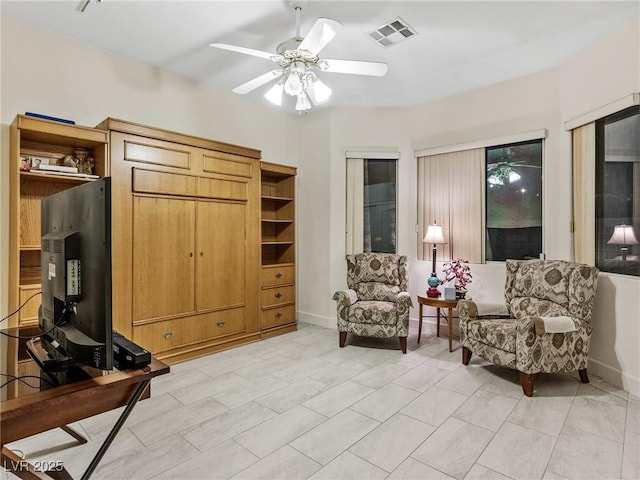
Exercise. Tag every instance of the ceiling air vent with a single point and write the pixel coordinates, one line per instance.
(392, 32)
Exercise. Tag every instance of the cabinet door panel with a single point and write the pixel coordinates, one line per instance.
(221, 252)
(163, 257)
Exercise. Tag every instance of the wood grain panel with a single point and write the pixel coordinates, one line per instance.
(166, 335)
(221, 245)
(584, 188)
(277, 296)
(227, 164)
(275, 317)
(157, 153)
(149, 181)
(163, 257)
(222, 189)
(278, 275)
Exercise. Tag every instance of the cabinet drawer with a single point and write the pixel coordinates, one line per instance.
(149, 181)
(278, 275)
(165, 335)
(277, 296)
(274, 317)
(29, 313)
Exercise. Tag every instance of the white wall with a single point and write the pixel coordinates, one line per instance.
(604, 73)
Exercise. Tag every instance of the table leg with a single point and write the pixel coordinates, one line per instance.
(420, 323)
(437, 321)
(450, 321)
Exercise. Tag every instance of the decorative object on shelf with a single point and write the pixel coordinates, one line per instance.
(80, 160)
(623, 235)
(49, 117)
(434, 235)
(459, 271)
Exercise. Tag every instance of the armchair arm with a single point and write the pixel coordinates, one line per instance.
(470, 310)
(345, 299)
(560, 324)
(403, 305)
(551, 352)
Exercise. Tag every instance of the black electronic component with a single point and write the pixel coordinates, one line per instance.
(128, 355)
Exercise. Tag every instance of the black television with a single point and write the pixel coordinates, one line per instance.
(75, 316)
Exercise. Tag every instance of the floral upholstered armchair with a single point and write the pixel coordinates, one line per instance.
(377, 303)
(545, 325)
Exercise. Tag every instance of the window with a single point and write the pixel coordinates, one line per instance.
(371, 205)
(513, 209)
(617, 192)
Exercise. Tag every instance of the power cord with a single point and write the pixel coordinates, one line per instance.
(29, 337)
(21, 379)
(20, 307)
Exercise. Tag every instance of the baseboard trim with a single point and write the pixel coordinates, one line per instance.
(319, 320)
(615, 376)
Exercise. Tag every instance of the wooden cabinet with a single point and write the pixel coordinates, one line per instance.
(278, 297)
(46, 141)
(186, 246)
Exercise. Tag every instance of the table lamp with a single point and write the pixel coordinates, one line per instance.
(623, 235)
(434, 235)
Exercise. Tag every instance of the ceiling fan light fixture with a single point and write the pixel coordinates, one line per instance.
(293, 84)
(274, 94)
(319, 91)
(303, 103)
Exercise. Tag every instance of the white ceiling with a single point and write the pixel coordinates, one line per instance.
(460, 45)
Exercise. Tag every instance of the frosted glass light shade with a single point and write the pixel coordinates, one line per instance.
(435, 234)
(319, 92)
(623, 235)
(303, 102)
(274, 94)
(293, 85)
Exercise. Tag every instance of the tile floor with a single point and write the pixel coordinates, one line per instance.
(297, 407)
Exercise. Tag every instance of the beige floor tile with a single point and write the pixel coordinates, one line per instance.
(385, 402)
(336, 399)
(412, 469)
(435, 405)
(351, 467)
(518, 452)
(392, 442)
(283, 464)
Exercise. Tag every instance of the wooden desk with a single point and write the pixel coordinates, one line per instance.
(438, 304)
(57, 407)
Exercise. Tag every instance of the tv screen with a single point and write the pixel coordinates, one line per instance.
(75, 316)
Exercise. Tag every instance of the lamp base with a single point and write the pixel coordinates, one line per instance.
(433, 292)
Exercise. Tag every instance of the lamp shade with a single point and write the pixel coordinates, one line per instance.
(623, 235)
(434, 234)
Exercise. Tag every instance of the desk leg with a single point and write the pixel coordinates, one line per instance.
(450, 321)
(116, 428)
(78, 436)
(420, 324)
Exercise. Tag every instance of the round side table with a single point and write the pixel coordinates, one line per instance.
(438, 304)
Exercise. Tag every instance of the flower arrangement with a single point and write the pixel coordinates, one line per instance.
(458, 269)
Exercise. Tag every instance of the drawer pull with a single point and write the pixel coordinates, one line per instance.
(278, 315)
(278, 295)
(220, 324)
(167, 335)
(278, 275)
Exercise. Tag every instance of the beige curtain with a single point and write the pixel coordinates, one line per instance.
(450, 192)
(355, 206)
(584, 202)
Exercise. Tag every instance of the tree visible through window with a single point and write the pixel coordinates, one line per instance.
(514, 201)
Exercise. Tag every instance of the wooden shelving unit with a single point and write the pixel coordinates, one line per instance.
(278, 249)
(36, 137)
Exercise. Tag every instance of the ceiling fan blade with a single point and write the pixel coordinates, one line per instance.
(246, 51)
(320, 35)
(375, 69)
(257, 82)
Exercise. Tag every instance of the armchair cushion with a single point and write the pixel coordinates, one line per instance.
(499, 333)
(377, 291)
(373, 312)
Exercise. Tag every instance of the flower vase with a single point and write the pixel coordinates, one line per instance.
(460, 294)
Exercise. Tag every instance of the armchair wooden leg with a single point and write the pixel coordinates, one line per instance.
(343, 338)
(583, 375)
(403, 344)
(526, 380)
(466, 355)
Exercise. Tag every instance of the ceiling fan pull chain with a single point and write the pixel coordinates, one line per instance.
(298, 10)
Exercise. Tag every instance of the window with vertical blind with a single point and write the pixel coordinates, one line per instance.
(486, 194)
(371, 205)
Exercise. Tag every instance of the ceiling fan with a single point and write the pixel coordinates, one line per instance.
(297, 60)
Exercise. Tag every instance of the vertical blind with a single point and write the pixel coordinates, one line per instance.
(584, 203)
(450, 192)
